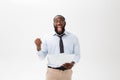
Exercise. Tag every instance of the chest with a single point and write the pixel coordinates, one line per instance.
(54, 42)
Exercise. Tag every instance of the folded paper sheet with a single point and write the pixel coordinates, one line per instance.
(59, 59)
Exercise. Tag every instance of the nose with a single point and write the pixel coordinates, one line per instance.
(58, 23)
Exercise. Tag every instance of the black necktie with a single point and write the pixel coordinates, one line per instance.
(61, 44)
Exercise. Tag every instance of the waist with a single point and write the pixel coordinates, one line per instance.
(58, 68)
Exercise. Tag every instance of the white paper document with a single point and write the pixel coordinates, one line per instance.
(59, 59)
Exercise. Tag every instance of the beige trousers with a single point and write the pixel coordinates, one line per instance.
(54, 74)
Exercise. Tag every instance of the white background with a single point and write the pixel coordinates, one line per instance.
(95, 22)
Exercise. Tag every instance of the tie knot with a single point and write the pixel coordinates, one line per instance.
(61, 35)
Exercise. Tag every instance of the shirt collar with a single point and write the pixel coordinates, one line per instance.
(65, 32)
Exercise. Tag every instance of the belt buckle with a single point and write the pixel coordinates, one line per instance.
(63, 68)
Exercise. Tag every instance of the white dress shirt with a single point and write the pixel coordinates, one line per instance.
(50, 46)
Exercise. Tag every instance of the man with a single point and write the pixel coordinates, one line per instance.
(59, 42)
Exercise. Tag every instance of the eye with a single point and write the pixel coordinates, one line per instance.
(59, 21)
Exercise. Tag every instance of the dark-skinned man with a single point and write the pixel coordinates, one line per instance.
(57, 42)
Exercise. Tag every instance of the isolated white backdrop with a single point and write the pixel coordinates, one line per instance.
(95, 22)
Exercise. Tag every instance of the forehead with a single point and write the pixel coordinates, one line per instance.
(59, 18)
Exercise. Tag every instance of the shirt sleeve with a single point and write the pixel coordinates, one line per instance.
(44, 50)
(76, 50)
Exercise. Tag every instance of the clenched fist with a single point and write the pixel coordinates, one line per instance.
(38, 43)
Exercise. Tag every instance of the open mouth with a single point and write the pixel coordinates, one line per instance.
(59, 28)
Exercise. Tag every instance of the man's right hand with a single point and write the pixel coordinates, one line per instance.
(38, 43)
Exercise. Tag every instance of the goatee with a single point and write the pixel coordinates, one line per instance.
(59, 33)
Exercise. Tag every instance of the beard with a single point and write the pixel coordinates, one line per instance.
(59, 33)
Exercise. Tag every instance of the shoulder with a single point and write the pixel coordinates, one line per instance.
(73, 37)
(71, 34)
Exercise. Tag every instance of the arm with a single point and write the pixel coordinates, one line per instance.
(76, 50)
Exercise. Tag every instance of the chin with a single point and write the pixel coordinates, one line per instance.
(59, 32)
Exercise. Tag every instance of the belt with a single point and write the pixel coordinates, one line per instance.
(59, 68)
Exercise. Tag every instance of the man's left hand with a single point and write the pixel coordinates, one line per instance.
(68, 65)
